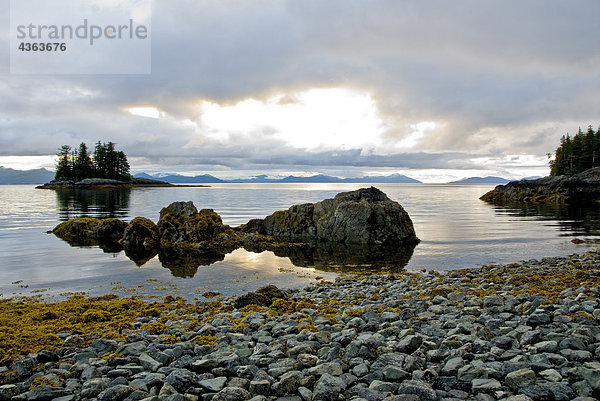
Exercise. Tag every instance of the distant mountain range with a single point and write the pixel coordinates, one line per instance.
(9, 176)
(319, 178)
(481, 180)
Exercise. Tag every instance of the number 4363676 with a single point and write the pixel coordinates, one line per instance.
(42, 47)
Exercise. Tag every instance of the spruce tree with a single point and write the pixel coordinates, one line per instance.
(64, 169)
(82, 165)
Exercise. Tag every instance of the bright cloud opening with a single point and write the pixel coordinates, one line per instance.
(417, 133)
(150, 112)
(317, 119)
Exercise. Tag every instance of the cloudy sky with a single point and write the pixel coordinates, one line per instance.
(435, 90)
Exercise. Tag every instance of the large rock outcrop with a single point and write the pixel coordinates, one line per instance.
(358, 227)
(582, 187)
(363, 217)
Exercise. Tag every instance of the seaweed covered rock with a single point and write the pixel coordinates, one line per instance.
(264, 296)
(140, 234)
(582, 187)
(365, 217)
(86, 231)
(187, 227)
(354, 227)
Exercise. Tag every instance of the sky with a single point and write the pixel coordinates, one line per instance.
(432, 89)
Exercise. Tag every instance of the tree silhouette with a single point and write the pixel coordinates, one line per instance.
(105, 162)
(577, 154)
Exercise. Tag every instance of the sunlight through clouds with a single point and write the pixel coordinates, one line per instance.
(316, 119)
(150, 112)
(417, 133)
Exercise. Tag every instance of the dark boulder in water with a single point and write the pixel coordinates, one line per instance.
(364, 217)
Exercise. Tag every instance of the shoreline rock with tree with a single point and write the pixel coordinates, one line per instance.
(104, 168)
(577, 188)
(574, 175)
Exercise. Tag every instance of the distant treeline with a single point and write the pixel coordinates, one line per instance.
(577, 154)
(79, 164)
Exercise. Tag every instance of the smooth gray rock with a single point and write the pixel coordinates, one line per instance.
(45, 393)
(485, 385)
(288, 383)
(591, 374)
(93, 387)
(328, 388)
(148, 362)
(419, 388)
(262, 387)
(409, 344)
(181, 379)
(232, 394)
(8, 391)
(520, 378)
(332, 368)
(115, 393)
(452, 366)
(213, 385)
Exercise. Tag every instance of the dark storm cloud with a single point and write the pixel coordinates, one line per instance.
(497, 77)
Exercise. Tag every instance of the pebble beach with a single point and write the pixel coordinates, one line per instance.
(525, 331)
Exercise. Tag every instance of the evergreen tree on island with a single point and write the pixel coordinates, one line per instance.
(577, 154)
(105, 162)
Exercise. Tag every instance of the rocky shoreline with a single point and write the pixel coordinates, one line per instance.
(525, 331)
(103, 183)
(582, 187)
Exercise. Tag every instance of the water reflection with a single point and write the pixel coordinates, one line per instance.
(323, 256)
(104, 203)
(333, 256)
(576, 219)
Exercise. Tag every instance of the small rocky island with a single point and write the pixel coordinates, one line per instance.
(105, 183)
(354, 227)
(576, 188)
(104, 168)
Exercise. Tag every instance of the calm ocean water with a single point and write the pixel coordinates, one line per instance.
(456, 229)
